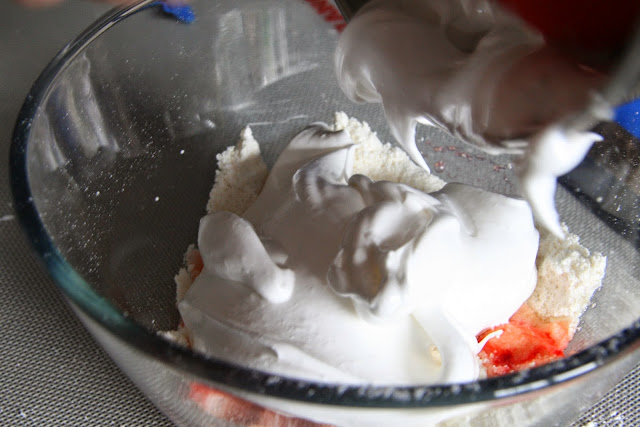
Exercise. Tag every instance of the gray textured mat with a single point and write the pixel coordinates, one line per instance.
(52, 371)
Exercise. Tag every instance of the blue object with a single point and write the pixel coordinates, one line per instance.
(628, 116)
(183, 13)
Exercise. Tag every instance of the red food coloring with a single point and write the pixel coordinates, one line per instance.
(229, 408)
(194, 263)
(526, 341)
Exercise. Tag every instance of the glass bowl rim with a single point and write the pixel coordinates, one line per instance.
(218, 372)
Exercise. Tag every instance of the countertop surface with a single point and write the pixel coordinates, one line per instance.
(51, 370)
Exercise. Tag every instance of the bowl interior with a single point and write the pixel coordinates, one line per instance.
(122, 149)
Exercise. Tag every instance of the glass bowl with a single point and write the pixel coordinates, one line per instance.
(111, 164)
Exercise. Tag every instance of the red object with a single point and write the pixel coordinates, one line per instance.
(526, 341)
(580, 24)
(194, 263)
(241, 412)
(329, 13)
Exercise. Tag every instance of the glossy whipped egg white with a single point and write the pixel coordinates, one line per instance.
(478, 72)
(333, 277)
